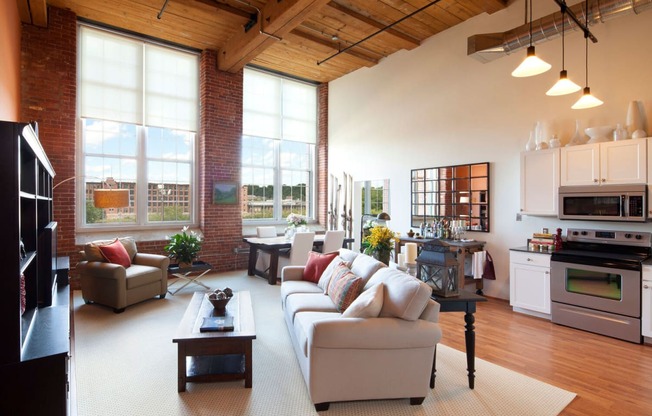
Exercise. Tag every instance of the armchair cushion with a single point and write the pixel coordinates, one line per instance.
(116, 253)
(317, 263)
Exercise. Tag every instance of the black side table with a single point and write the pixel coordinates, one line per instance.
(466, 303)
(198, 268)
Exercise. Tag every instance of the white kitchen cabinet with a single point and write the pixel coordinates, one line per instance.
(540, 182)
(607, 163)
(529, 283)
(646, 305)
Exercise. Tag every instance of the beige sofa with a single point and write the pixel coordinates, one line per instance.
(350, 358)
(116, 286)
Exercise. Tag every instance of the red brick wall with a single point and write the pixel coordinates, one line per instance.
(48, 96)
(219, 159)
(49, 88)
(322, 155)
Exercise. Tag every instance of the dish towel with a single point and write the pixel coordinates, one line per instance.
(479, 258)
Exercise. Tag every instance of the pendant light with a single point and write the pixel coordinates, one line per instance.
(564, 85)
(586, 100)
(532, 65)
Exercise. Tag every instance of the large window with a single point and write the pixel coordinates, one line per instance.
(139, 116)
(278, 147)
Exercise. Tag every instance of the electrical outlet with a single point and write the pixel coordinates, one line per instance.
(519, 217)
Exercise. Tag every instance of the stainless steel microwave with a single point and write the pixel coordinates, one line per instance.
(603, 203)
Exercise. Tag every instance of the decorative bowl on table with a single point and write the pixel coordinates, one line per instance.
(599, 134)
(220, 298)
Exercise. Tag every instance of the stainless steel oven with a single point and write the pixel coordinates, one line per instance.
(595, 282)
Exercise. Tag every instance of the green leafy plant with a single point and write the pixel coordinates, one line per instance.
(184, 247)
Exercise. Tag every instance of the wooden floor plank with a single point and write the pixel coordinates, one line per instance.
(609, 376)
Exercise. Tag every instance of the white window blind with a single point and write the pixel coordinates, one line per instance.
(112, 86)
(279, 108)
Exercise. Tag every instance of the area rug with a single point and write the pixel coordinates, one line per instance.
(126, 364)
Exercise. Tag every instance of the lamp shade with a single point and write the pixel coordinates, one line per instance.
(111, 198)
(532, 65)
(586, 101)
(563, 86)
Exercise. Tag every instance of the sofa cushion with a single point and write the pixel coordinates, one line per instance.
(405, 296)
(116, 253)
(365, 266)
(367, 304)
(328, 273)
(290, 287)
(344, 287)
(348, 255)
(317, 263)
(308, 302)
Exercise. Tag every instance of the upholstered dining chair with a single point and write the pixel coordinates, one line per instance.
(333, 240)
(262, 259)
(298, 254)
(265, 232)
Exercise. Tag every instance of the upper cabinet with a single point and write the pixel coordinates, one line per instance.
(540, 182)
(608, 163)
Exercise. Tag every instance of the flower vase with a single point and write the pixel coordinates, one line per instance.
(290, 232)
(382, 256)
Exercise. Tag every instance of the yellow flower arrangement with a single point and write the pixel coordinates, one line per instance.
(379, 242)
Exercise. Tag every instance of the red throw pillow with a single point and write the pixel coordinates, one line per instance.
(317, 263)
(116, 253)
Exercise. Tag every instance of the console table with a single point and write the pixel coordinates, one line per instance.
(459, 247)
(466, 303)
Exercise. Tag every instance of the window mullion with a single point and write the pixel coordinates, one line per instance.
(142, 188)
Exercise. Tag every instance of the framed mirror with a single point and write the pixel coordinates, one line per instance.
(459, 192)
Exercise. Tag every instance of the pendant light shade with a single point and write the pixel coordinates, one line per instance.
(532, 65)
(587, 100)
(564, 85)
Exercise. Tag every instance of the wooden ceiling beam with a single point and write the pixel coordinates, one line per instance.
(23, 11)
(229, 9)
(278, 19)
(34, 12)
(333, 45)
(374, 23)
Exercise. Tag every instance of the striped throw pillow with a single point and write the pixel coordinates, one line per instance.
(344, 287)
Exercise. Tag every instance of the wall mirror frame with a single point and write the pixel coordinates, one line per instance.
(458, 192)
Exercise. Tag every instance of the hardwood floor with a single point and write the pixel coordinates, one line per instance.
(609, 376)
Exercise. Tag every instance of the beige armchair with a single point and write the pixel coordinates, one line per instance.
(115, 286)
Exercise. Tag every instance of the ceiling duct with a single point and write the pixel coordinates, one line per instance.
(489, 46)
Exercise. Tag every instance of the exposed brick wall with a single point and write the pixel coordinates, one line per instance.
(48, 96)
(49, 91)
(219, 159)
(322, 155)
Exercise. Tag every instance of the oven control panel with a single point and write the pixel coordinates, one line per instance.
(628, 238)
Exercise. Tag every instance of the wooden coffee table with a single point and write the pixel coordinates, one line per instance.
(215, 356)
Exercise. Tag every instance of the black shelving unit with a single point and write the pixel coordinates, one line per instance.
(34, 309)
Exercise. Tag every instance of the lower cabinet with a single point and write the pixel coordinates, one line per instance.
(529, 283)
(646, 312)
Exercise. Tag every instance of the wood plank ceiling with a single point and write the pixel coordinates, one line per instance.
(295, 37)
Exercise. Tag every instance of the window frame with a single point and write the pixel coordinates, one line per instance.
(146, 229)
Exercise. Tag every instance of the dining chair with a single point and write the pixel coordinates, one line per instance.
(333, 240)
(266, 232)
(298, 254)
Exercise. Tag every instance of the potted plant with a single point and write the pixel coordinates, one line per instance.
(379, 243)
(184, 247)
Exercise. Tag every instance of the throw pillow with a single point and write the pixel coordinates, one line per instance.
(317, 263)
(93, 253)
(116, 253)
(344, 287)
(325, 278)
(367, 305)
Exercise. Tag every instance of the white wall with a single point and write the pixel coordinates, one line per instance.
(436, 106)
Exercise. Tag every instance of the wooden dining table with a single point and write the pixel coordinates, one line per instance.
(273, 246)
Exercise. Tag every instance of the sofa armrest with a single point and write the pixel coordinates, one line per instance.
(102, 270)
(292, 273)
(431, 313)
(373, 333)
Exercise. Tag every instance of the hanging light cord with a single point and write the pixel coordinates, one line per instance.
(530, 20)
(563, 53)
(586, 42)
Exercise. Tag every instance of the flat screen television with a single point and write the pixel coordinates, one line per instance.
(47, 264)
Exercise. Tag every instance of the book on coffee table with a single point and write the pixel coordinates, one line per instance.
(217, 323)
